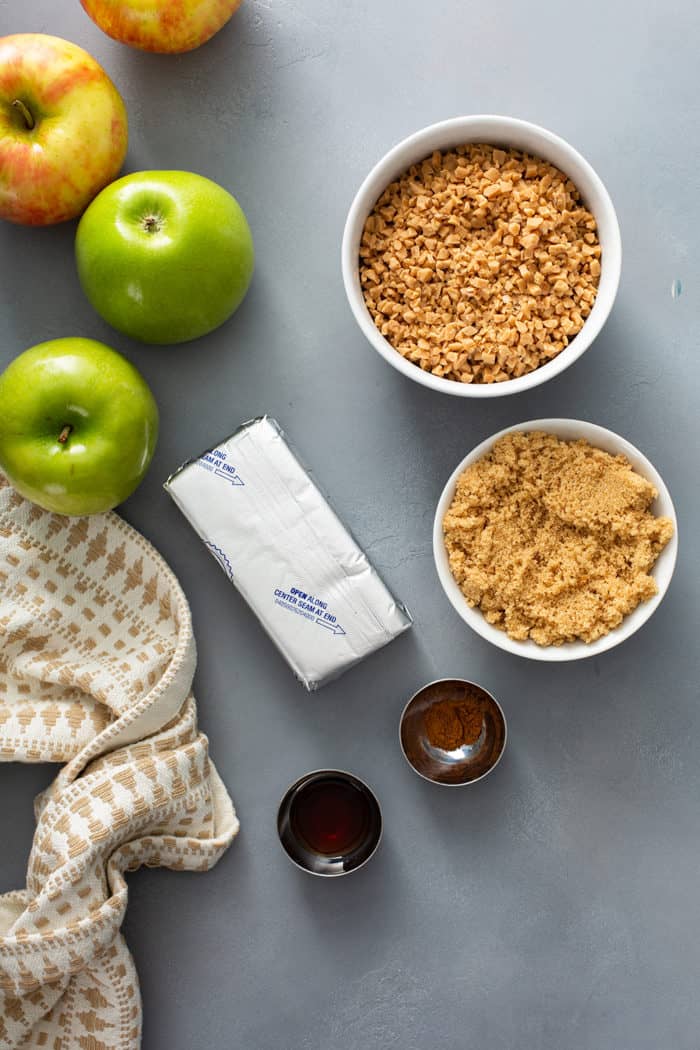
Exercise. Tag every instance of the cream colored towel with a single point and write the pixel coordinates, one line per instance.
(96, 665)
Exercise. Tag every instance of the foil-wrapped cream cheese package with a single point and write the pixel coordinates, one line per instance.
(283, 547)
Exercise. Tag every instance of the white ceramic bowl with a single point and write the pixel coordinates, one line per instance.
(570, 430)
(497, 131)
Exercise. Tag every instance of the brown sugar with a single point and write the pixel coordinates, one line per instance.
(553, 540)
(480, 264)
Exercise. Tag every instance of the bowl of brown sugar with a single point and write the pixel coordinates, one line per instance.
(481, 256)
(453, 732)
(555, 539)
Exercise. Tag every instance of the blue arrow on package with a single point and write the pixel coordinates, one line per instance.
(334, 627)
(235, 479)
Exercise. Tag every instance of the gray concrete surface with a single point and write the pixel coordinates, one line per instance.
(555, 905)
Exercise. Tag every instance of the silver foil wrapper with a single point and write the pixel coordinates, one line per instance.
(283, 547)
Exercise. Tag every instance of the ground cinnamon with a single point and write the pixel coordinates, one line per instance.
(454, 723)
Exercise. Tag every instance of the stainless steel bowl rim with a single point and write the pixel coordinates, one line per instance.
(463, 783)
(342, 773)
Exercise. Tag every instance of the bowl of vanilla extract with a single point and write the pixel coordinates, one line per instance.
(329, 822)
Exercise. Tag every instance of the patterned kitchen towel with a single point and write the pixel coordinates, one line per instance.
(96, 664)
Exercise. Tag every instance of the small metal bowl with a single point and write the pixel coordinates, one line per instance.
(329, 864)
(465, 764)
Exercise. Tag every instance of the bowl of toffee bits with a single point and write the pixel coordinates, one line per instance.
(481, 256)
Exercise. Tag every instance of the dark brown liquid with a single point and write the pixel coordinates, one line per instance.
(330, 816)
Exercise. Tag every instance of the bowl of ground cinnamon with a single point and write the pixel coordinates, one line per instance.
(452, 732)
(555, 539)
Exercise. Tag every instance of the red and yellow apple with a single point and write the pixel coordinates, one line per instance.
(168, 26)
(63, 129)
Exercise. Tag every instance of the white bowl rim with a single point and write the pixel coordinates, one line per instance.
(570, 430)
(367, 194)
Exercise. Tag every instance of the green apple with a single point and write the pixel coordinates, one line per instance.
(78, 426)
(164, 256)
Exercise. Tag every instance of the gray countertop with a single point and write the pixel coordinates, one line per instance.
(555, 904)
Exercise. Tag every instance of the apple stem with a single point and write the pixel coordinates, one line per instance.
(26, 113)
(63, 436)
